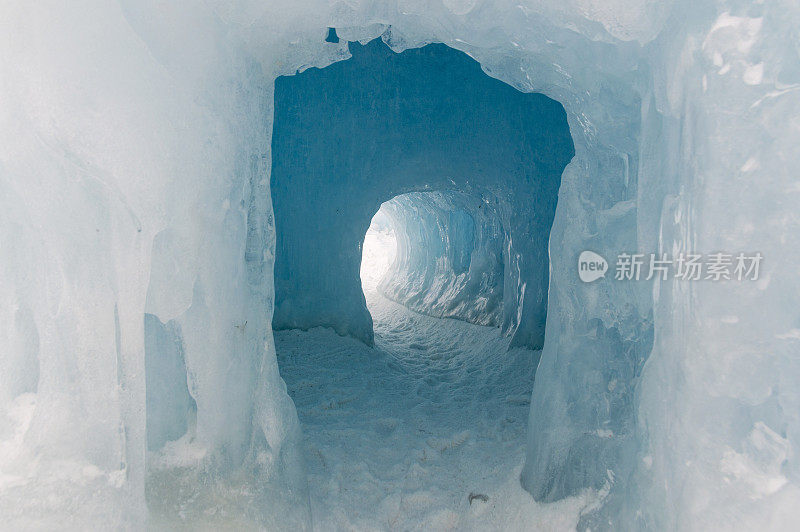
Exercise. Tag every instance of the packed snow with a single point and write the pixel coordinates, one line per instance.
(425, 431)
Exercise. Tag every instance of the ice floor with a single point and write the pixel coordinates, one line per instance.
(402, 436)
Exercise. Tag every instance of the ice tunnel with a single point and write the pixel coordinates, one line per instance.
(191, 196)
(448, 259)
(352, 135)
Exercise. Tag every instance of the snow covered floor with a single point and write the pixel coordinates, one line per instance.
(398, 437)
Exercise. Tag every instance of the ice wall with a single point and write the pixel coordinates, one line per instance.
(389, 123)
(133, 181)
(449, 261)
(725, 355)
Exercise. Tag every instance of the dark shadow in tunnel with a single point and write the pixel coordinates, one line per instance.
(355, 134)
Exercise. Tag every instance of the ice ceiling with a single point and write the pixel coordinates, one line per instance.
(135, 168)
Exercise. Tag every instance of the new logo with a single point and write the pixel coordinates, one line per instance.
(591, 266)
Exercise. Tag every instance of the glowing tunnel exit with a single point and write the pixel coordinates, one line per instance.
(379, 250)
(439, 253)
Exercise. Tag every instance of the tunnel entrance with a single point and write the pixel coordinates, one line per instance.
(438, 253)
(431, 420)
(348, 137)
(413, 198)
(425, 430)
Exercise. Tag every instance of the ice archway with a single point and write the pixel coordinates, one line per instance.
(135, 168)
(348, 137)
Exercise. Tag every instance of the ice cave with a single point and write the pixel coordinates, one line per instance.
(400, 265)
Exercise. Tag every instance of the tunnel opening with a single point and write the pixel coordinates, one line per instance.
(438, 253)
(416, 429)
(413, 205)
(378, 252)
(426, 119)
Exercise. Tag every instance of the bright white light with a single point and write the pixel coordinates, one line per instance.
(380, 248)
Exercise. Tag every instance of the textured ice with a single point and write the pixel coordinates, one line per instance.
(450, 257)
(135, 175)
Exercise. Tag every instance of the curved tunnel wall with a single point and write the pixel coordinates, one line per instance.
(355, 134)
(449, 260)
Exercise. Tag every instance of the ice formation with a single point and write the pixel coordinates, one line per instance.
(450, 259)
(135, 212)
